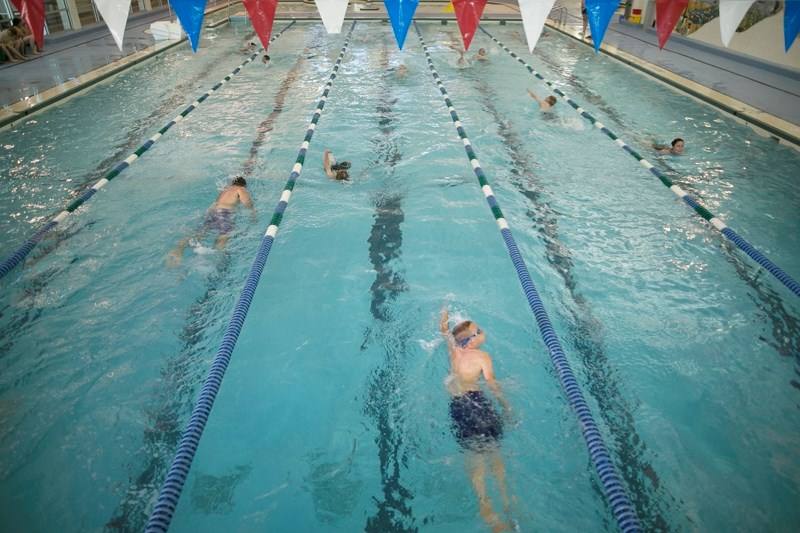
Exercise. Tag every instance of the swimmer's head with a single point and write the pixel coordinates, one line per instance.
(344, 165)
(464, 332)
(678, 146)
(239, 181)
(342, 175)
(265, 59)
(551, 100)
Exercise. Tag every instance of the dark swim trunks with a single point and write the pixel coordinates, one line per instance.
(475, 422)
(220, 220)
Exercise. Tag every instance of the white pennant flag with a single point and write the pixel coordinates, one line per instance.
(332, 14)
(534, 14)
(731, 13)
(115, 15)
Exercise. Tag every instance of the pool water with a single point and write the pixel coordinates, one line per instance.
(333, 415)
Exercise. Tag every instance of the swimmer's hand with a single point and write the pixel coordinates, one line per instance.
(443, 321)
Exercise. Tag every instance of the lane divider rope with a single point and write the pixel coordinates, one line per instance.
(176, 478)
(614, 490)
(17, 256)
(715, 221)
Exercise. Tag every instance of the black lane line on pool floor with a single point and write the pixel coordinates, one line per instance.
(785, 327)
(602, 378)
(181, 378)
(385, 401)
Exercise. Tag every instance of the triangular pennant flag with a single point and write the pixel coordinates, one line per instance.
(115, 14)
(449, 8)
(731, 13)
(32, 12)
(262, 15)
(599, 13)
(468, 14)
(190, 15)
(791, 23)
(332, 14)
(667, 14)
(400, 13)
(534, 14)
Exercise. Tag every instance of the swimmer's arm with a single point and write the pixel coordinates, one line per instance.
(326, 161)
(535, 96)
(493, 384)
(443, 327)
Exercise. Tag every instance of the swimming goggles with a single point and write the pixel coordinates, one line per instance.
(464, 342)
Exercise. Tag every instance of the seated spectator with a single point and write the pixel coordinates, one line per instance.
(11, 44)
(27, 35)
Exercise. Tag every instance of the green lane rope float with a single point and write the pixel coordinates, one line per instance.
(614, 490)
(715, 221)
(176, 478)
(16, 257)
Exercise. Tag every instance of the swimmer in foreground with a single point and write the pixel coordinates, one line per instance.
(476, 424)
(677, 147)
(218, 218)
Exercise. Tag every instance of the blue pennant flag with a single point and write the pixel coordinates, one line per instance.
(190, 14)
(600, 13)
(400, 14)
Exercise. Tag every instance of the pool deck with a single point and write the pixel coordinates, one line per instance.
(762, 94)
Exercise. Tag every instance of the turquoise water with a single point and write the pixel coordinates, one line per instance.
(333, 414)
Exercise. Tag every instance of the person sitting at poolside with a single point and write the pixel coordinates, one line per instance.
(676, 147)
(481, 55)
(334, 170)
(476, 424)
(11, 44)
(27, 35)
(219, 218)
(546, 104)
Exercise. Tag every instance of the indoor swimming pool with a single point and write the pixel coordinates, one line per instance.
(333, 413)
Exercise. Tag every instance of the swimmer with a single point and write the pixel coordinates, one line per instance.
(546, 104)
(249, 47)
(265, 59)
(476, 424)
(481, 55)
(402, 72)
(334, 170)
(219, 218)
(462, 61)
(676, 147)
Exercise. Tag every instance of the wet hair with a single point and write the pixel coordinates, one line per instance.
(342, 175)
(16, 21)
(265, 57)
(344, 165)
(238, 180)
(551, 100)
(676, 141)
(461, 328)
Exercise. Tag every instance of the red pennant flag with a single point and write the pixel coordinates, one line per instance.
(667, 14)
(32, 12)
(468, 14)
(262, 15)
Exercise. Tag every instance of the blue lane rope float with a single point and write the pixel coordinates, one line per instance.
(176, 478)
(715, 221)
(16, 257)
(614, 490)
